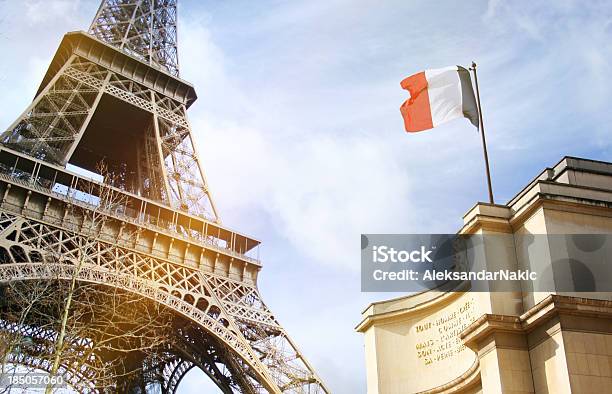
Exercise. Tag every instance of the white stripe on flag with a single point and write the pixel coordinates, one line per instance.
(444, 89)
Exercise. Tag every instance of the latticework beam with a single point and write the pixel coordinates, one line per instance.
(143, 28)
(117, 99)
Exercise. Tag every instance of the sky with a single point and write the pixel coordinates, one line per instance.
(298, 127)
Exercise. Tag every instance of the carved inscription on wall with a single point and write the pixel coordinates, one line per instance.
(437, 338)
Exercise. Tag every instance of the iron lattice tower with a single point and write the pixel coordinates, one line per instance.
(114, 94)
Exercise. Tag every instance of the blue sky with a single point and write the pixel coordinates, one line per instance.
(298, 127)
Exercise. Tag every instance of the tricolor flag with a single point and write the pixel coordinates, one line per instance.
(437, 96)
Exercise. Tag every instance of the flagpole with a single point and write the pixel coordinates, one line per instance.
(482, 134)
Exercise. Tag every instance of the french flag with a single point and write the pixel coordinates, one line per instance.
(438, 96)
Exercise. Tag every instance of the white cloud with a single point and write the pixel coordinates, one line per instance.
(49, 11)
(320, 188)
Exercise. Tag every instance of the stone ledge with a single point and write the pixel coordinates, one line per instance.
(551, 306)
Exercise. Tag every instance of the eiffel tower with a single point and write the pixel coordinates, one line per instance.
(114, 94)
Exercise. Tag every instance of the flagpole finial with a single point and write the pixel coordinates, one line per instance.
(473, 65)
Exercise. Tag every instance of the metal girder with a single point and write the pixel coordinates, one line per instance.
(81, 380)
(257, 347)
(102, 97)
(143, 28)
(52, 127)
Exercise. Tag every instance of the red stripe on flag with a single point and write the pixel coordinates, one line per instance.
(416, 110)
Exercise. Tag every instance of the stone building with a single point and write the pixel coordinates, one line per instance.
(518, 341)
